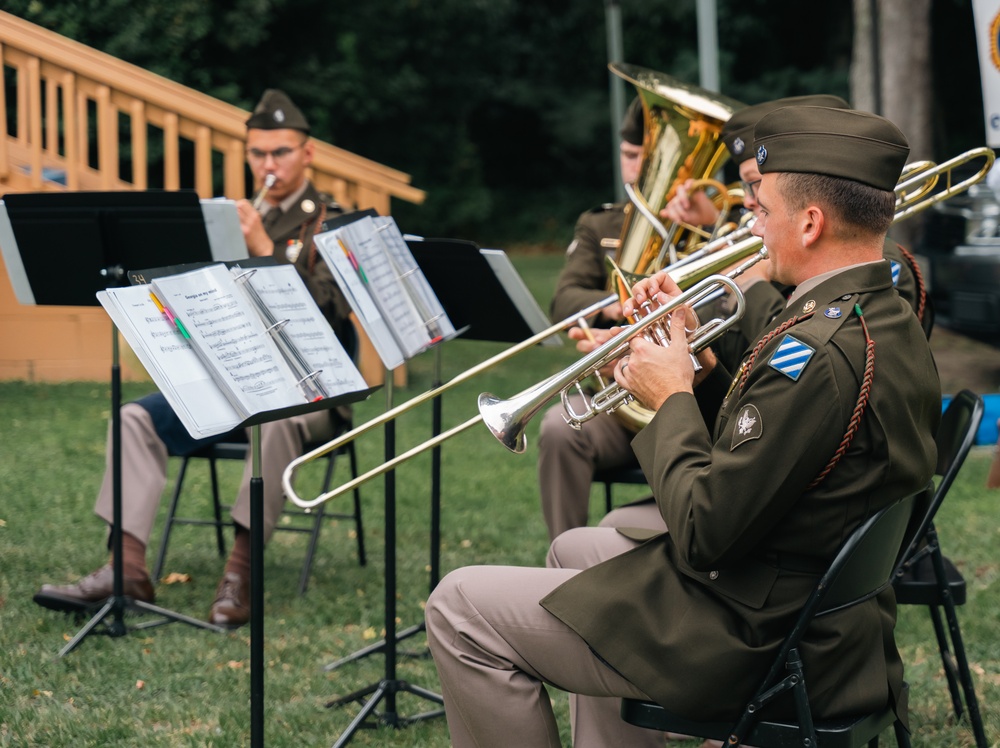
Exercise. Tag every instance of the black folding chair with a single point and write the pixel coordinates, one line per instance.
(863, 567)
(927, 577)
(317, 515)
(610, 476)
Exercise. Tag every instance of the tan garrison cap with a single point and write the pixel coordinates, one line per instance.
(842, 143)
(633, 123)
(737, 133)
(275, 111)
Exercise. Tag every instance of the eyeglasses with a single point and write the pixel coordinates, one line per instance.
(278, 154)
(748, 188)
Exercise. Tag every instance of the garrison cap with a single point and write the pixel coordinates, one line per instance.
(275, 111)
(737, 133)
(842, 143)
(633, 123)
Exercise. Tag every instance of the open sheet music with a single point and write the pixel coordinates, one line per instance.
(223, 344)
(385, 287)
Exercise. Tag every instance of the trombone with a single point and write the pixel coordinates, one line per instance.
(288, 476)
(915, 190)
(914, 194)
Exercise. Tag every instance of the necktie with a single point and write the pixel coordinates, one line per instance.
(271, 218)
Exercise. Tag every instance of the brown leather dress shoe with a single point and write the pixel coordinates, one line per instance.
(232, 601)
(92, 590)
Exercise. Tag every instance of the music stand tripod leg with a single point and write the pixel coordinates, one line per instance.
(118, 603)
(387, 688)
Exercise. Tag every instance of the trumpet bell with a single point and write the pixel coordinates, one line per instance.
(505, 421)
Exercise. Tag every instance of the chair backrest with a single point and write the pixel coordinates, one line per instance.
(866, 561)
(954, 438)
(862, 568)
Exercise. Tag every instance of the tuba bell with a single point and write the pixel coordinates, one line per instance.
(681, 141)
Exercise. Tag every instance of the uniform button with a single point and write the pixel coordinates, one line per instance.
(713, 575)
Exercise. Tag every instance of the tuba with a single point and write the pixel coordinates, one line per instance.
(681, 141)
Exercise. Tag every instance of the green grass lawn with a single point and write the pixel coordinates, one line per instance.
(180, 686)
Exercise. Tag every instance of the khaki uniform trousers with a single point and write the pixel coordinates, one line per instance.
(567, 460)
(495, 649)
(144, 469)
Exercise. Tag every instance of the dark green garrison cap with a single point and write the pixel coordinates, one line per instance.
(275, 111)
(842, 143)
(737, 133)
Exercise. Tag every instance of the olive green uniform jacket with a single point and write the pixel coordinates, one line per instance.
(694, 617)
(298, 225)
(584, 278)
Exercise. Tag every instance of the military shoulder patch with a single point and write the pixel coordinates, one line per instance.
(894, 266)
(791, 357)
(748, 426)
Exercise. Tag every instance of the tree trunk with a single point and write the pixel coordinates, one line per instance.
(899, 86)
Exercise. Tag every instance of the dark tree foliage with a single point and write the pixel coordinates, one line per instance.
(498, 108)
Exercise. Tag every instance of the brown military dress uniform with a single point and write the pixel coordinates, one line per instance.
(714, 597)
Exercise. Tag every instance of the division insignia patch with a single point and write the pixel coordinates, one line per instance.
(748, 426)
(894, 266)
(791, 357)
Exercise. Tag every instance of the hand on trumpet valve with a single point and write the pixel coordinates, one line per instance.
(651, 372)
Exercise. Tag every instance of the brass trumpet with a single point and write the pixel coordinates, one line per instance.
(507, 419)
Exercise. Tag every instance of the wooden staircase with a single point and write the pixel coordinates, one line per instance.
(74, 118)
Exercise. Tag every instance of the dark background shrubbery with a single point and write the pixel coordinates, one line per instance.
(498, 108)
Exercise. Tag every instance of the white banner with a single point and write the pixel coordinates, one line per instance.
(987, 15)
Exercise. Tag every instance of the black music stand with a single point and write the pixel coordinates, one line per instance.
(61, 249)
(257, 705)
(447, 264)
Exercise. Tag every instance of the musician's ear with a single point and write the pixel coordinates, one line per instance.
(811, 223)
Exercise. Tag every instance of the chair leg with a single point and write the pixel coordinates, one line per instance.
(902, 736)
(965, 675)
(961, 661)
(607, 497)
(220, 541)
(311, 550)
(948, 661)
(169, 524)
(316, 528)
(358, 526)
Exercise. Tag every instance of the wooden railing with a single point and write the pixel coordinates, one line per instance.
(74, 118)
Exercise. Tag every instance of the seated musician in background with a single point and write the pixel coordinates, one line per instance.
(757, 504)
(290, 213)
(567, 458)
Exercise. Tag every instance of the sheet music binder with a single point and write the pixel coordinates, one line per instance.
(241, 338)
(384, 285)
(481, 290)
